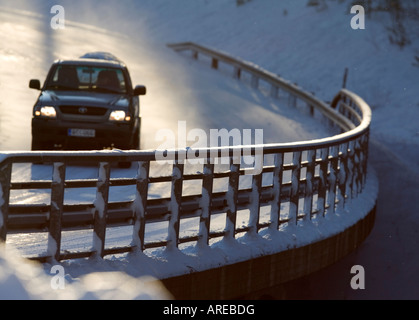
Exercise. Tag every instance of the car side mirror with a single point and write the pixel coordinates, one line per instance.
(140, 91)
(35, 84)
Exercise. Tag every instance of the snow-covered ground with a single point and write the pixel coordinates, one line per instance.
(303, 44)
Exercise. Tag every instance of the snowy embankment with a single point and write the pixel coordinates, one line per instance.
(21, 280)
(305, 45)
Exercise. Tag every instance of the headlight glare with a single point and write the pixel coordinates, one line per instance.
(119, 115)
(46, 111)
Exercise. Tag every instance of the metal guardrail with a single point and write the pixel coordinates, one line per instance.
(305, 179)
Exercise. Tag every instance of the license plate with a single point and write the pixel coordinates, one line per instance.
(85, 133)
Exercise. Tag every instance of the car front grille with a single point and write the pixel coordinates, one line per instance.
(83, 111)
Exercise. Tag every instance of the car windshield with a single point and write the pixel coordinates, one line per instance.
(87, 78)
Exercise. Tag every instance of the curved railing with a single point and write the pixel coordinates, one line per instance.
(295, 181)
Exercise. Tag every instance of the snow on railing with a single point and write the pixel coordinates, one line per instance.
(299, 181)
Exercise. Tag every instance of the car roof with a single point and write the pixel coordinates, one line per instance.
(101, 59)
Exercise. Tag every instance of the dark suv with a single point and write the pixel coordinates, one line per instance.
(87, 103)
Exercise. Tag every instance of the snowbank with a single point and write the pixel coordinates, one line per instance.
(24, 280)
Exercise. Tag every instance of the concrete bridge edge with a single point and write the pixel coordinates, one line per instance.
(242, 279)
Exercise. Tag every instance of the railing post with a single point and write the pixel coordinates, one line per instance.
(295, 186)
(101, 209)
(332, 181)
(351, 168)
(232, 194)
(214, 63)
(364, 158)
(357, 179)
(321, 198)
(140, 204)
(308, 198)
(237, 73)
(175, 205)
(255, 201)
(206, 199)
(5, 178)
(361, 155)
(311, 110)
(277, 186)
(56, 211)
(342, 176)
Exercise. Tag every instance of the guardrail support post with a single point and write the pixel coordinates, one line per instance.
(140, 205)
(5, 178)
(232, 194)
(333, 175)
(351, 168)
(255, 202)
(277, 186)
(237, 73)
(308, 198)
(214, 63)
(205, 218)
(321, 195)
(175, 205)
(311, 110)
(101, 208)
(295, 186)
(342, 176)
(56, 211)
(364, 159)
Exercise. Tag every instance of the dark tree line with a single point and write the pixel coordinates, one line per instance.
(400, 13)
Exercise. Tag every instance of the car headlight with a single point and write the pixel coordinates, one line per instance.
(46, 111)
(119, 115)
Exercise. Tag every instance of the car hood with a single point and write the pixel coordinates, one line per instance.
(56, 98)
